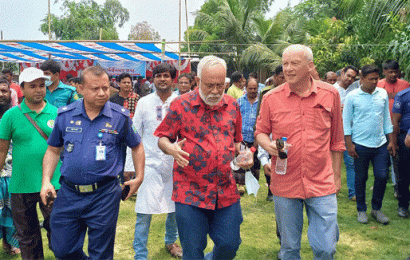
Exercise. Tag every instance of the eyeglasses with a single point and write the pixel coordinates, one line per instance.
(219, 86)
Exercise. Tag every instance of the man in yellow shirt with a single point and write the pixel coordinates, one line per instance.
(238, 84)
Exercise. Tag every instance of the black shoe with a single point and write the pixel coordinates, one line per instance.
(402, 212)
(269, 198)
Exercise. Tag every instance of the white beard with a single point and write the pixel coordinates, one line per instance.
(207, 100)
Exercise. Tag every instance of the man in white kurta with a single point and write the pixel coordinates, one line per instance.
(154, 194)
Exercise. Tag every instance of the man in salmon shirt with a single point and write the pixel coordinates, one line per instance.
(308, 113)
(393, 85)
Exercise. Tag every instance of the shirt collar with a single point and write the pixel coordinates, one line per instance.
(169, 99)
(25, 109)
(376, 90)
(312, 90)
(80, 109)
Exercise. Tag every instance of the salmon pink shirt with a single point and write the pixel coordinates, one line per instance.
(313, 126)
(396, 87)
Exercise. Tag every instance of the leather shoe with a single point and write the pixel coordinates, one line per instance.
(174, 249)
(380, 217)
(362, 217)
(402, 212)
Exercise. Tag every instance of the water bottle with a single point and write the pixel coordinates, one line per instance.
(244, 156)
(282, 159)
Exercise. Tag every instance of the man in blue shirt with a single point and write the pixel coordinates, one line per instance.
(366, 122)
(248, 104)
(345, 86)
(401, 126)
(58, 94)
(91, 132)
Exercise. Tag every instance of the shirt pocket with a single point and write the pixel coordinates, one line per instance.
(284, 123)
(322, 117)
(72, 143)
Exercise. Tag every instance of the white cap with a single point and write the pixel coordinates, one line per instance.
(30, 74)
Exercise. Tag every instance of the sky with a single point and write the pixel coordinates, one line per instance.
(21, 19)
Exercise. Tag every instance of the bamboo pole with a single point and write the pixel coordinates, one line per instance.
(49, 20)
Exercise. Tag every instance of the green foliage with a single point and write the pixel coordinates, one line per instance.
(340, 32)
(85, 19)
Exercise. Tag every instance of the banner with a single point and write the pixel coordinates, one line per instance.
(72, 67)
(185, 66)
(115, 68)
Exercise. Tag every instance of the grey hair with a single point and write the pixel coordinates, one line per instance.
(209, 61)
(307, 51)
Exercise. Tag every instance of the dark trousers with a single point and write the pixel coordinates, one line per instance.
(25, 218)
(403, 174)
(222, 225)
(380, 159)
(74, 213)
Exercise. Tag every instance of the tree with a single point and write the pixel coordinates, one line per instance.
(143, 31)
(84, 20)
(227, 20)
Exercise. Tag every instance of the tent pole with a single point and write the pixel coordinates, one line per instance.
(49, 20)
(187, 30)
(179, 44)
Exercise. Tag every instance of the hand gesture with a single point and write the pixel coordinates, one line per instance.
(179, 154)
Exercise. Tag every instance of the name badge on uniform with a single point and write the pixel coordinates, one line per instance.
(100, 152)
(74, 129)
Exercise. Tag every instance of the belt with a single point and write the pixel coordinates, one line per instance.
(90, 187)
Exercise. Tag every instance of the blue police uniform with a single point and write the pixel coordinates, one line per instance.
(90, 192)
(63, 95)
(401, 106)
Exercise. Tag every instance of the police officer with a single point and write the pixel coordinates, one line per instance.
(91, 133)
(401, 126)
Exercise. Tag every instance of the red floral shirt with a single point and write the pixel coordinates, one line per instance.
(210, 133)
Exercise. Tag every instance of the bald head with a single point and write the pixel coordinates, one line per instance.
(331, 77)
(300, 49)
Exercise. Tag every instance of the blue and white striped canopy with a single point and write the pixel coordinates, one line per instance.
(39, 51)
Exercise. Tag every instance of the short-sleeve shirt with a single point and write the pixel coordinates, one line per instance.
(235, 92)
(17, 89)
(210, 132)
(248, 113)
(402, 106)
(129, 103)
(313, 126)
(80, 136)
(63, 95)
(29, 146)
(393, 88)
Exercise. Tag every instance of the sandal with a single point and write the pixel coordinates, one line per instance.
(174, 249)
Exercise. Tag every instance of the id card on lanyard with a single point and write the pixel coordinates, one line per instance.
(100, 150)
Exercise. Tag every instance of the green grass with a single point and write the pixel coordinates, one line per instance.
(259, 241)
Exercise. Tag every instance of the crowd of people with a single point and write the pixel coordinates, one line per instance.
(77, 150)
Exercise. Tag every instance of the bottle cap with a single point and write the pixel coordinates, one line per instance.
(253, 149)
(284, 138)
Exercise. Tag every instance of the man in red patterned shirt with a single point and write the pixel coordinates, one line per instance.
(206, 199)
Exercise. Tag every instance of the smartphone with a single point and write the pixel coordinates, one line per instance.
(125, 192)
